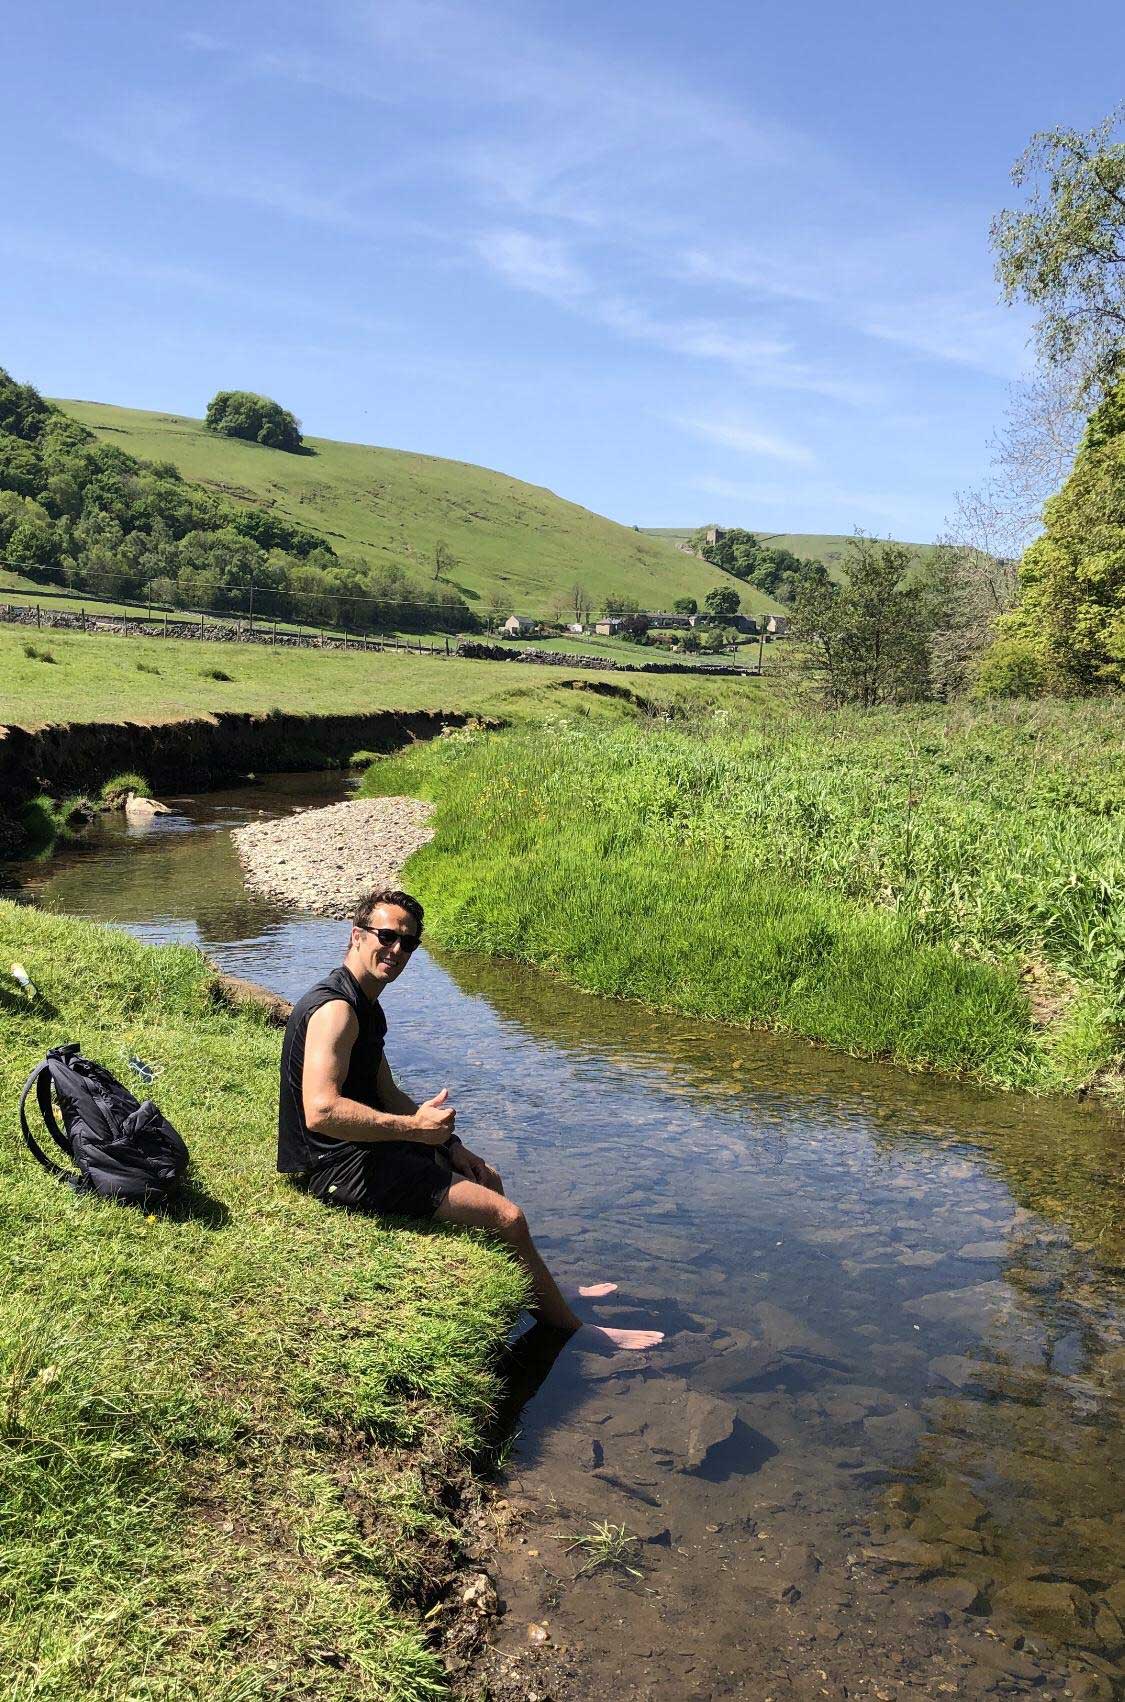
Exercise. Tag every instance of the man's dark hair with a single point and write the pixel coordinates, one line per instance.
(363, 910)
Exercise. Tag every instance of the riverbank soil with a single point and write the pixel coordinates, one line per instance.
(235, 1434)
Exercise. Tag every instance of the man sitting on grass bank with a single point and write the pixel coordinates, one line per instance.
(345, 1125)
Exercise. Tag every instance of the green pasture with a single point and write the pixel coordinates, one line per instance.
(941, 887)
(515, 542)
(235, 1438)
(106, 677)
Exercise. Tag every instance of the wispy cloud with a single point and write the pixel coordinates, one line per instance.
(558, 139)
(879, 287)
(880, 511)
(547, 266)
(187, 279)
(541, 265)
(747, 439)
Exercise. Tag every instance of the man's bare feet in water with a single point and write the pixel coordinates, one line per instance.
(481, 1208)
(601, 1338)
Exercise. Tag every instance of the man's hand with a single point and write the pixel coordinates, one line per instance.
(434, 1120)
(467, 1164)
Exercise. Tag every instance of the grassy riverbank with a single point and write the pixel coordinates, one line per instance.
(233, 1441)
(939, 887)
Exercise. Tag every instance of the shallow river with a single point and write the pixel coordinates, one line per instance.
(881, 1453)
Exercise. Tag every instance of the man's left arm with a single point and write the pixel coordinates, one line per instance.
(465, 1163)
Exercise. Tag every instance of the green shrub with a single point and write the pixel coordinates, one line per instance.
(214, 674)
(146, 668)
(1012, 667)
(34, 654)
(43, 821)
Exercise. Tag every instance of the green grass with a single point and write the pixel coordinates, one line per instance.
(97, 677)
(232, 1439)
(511, 539)
(116, 789)
(945, 888)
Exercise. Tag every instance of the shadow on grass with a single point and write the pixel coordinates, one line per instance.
(193, 1204)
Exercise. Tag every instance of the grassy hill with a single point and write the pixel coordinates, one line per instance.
(514, 542)
(826, 547)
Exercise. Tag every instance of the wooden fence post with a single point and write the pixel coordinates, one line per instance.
(201, 626)
(38, 616)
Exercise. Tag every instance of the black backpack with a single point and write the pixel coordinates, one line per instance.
(124, 1150)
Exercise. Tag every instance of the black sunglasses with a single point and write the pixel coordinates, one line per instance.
(388, 936)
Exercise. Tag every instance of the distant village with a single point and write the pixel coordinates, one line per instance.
(659, 625)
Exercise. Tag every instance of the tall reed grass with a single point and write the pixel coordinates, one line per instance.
(942, 887)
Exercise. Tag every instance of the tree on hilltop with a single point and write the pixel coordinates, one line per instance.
(255, 419)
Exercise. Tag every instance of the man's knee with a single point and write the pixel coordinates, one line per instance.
(510, 1220)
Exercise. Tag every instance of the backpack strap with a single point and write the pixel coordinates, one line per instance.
(40, 1079)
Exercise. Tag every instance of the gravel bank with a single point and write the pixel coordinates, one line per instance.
(326, 859)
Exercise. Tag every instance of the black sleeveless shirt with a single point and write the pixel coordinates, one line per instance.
(300, 1149)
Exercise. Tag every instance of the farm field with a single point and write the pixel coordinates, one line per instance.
(515, 542)
(97, 677)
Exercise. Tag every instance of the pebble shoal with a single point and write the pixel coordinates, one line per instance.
(325, 860)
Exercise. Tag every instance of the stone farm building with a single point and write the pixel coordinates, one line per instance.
(516, 625)
(740, 623)
(660, 618)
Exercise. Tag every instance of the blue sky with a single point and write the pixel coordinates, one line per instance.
(724, 262)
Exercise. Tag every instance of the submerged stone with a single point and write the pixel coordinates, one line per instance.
(1058, 1610)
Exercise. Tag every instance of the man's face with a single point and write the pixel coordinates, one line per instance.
(384, 959)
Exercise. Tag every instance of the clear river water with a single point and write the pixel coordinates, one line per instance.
(881, 1452)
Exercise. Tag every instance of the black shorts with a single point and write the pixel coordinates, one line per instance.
(392, 1178)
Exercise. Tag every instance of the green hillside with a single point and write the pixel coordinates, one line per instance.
(516, 545)
(826, 547)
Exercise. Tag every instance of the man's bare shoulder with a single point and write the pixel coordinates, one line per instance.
(334, 1020)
